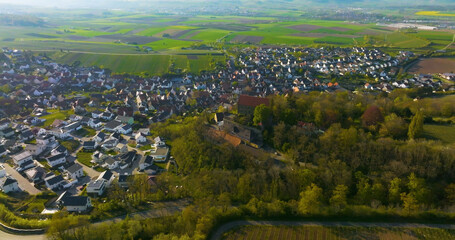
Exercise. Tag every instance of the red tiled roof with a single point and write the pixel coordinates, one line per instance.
(246, 100)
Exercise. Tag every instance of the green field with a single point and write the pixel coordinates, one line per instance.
(147, 42)
(154, 64)
(445, 133)
(336, 233)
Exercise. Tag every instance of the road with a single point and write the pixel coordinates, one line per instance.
(228, 226)
(168, 209)
(8, 236)
(24, 184)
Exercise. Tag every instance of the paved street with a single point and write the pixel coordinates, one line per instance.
(24, 184)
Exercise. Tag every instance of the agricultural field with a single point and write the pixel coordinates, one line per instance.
(433, 66)
(336, 233)
(153, 64)
(435, 14)
(146, 42)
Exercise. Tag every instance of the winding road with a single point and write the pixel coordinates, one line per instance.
(168, 209)
(228, 226)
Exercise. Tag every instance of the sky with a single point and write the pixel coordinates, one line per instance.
(136, 3)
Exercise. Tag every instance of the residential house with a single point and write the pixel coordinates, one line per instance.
(72, 127)
(54, 181)
(35, 150)
(60, 149)
(3, 151)
(35, 174)
(45, 140)
(113, 126)
(123, 180)
(7, 132)
(75, 171)
(94, 123)
(89, 145)
(125, 119)
(9, 184)
(22, 157)
(56, 159)
(110, 163)
(159, 142)
(140, 138)
(4, 124)
(74, 203)
(127, 159)
(109, 144)
(160, 154)
(122, 148)
(2, 171)
(96, 188)
(25, 165)
(26, 135)
(126, 129)
(145, 162)
(107, 176)
(99, 137)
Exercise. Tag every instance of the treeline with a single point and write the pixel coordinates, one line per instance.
(351, 155)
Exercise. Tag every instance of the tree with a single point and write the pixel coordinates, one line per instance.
(310, 199)
(372, 116)
(416, 126)
(395, 190)
(262, 115)
(363, 188)
(450, 193)
(410, 203)
(394, 127)
(339, 199)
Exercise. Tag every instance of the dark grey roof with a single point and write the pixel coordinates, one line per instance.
(26, 163)
(74, 168)
(123, 178)
(106, 175)
(74, 201)
(89, 144)
(26, 134)
(7, 181)
(55, 179)
(60, 149)
(113, 124)
(2, 149)
(101, 135)
(56, 157)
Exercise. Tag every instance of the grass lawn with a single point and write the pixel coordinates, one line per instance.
(146, 147)
(86, 132)
(85, 158)
(445, 133)
(56, 114)
(71, 145)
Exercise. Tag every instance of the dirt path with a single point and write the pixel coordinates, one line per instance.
(228, 226)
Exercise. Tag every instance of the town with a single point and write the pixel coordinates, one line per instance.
(71, 129)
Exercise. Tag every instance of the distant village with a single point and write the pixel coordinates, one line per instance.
(74, 129)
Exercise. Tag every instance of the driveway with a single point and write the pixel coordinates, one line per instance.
(24, 184)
